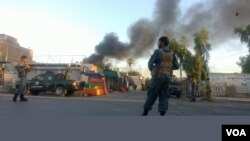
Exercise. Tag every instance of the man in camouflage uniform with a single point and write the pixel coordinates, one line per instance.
(22, 68)
(161, 64)
(68, 72)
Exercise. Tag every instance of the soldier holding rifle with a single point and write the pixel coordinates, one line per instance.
(22, 68)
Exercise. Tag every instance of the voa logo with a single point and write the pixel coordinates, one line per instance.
(236, 132)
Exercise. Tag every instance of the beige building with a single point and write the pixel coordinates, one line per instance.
(230, 84)
(11, 51)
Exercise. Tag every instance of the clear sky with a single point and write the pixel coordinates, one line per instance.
(74, 27)
(68, 26)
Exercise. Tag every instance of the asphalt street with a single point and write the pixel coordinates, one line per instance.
(115, 104)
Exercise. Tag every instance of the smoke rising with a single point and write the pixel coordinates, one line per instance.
(112, 47)
(96, 59)
(142, 36)
(167, 13)
(219, 17)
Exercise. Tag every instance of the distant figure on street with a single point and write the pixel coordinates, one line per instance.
(161, 64)
(22, 69)
(68, 72)
(126, 83)
(193, 88)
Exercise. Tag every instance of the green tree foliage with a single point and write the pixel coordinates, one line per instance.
(123, 74)
(202, 48)
(196, 64)
(134, 73)
(245, 64)
(181, 51)
(189, 64)
(244, 33)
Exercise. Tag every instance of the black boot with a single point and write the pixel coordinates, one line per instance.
(145, 113)
(163, 113)
(23, 99)
(15, 98)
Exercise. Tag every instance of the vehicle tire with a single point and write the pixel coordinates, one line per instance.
(34, 92)
(60, 91)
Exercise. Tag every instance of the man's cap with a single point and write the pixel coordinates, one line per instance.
(24, 56)
(164, 38)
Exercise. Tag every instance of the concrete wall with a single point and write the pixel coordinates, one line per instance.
(234, 85)
(10, 80)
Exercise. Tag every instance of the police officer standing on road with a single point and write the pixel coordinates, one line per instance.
(193, 88)
(22, 68)
(161, 64)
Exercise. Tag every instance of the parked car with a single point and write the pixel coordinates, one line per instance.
(175, 89)
(56, 83)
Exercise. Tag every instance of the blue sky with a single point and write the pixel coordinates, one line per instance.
(85, 18)
(100, 15)
(74, 27)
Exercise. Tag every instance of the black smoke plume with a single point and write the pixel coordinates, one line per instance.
(220, 17)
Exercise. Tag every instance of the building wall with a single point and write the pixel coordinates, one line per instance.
(138, 82)
(10, 47)
(225, 84)
(11, 51)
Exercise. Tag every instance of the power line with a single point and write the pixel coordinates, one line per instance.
(231, 55)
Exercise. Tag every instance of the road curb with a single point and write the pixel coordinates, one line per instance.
(233, 99)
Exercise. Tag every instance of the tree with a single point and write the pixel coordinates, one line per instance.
(189, 64)
(134, 73)
(123, 74)
(177, 49)
(202, 48)
(130, 62)
(245, 64)
(197, 64)
(183, 50)
(244, 33)
(185, 56)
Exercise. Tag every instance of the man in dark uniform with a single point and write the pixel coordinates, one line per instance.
(161, 64)
(22, 68)
(193, 88)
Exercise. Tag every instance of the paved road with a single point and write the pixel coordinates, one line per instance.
(115, 104)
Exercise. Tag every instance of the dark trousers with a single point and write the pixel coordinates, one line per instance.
(21, 90)
(193, 93)
(159, 87)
